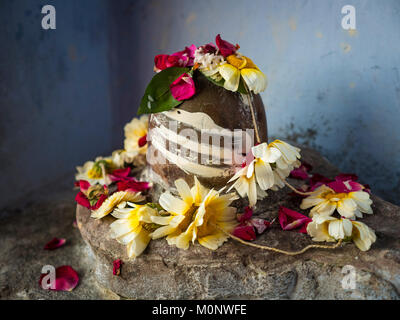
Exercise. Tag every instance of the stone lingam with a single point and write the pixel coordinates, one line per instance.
(222, 117)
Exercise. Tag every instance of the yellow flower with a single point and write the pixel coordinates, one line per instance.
(114, 200)
(246, 185)
(96, 171)
(327, 228)
(199, 215)
(325, 201)
(135, 138)
(133, 227)
(240, 66)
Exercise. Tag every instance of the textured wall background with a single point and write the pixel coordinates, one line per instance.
(65, 94)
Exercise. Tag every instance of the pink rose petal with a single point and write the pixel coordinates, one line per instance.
(260, 224)
(99, 202)
(133, 185)
(66, 279)
(55, 243)
(290, 220)
(117, 267)
(245, 232)
(248, 213)
(82, 200)
(183, 88)
(121, 174)
(301, 172)
(225, 48)
(84, 185)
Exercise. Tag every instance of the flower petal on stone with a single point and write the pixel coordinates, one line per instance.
(133, 185)
(117, 267)
(82, 200)
(290, 220)
(260, 224)
(245, 232)
(346, 177)
(55, 243)
(66, 279)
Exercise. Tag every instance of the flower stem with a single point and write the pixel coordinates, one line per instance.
(252, 113)
(288, 253)
(297, 191)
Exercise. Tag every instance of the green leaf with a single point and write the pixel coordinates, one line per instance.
(158, 97)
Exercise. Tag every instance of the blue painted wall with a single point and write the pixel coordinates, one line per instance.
(65, 94)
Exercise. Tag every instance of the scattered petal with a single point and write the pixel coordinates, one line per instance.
(183, 88)
(245, 232)
(117, 267)
(133, 185)
(55, 243)
(66, 279)
(290, 220)
(260, 224)
(225, 47)
(301, 172)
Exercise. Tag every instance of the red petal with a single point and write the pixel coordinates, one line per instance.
(160, 61)
(248, 213)
(54, 244)
(82, 200)
(346, 177)
(338, 186)
(121, 174)
(318, 180)
(245, 232)
(84, 185)
(302, 171)
(183, 88)
(66, 279)
(260, 224)
(117, 267)
(224, 47)
(290, 219)
(134, 185)
(99, 202)
(142, 141)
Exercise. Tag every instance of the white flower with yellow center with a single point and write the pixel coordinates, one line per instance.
(96, 171)
(114, 200)
(200, 214)
(239, 66)
(289, 159)
(325, 201)
(246, 185)
(133, 227)
(327, 228)
(264, 157)
(135, 138)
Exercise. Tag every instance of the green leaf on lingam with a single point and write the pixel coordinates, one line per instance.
(158, 97)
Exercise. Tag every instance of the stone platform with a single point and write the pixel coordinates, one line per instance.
(235, 271)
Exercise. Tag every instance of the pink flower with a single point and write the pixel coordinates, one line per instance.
(225, 47)
(133, 185)
(82, 200)
(117, 267)
(290, 220)
(66, 279)
(54, 244)
(183, 88)
(248, 226)
(184, 58)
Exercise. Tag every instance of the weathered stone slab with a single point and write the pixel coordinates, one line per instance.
(242, 272)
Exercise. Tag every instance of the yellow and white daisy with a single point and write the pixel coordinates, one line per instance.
(135, 138)
(238, 66)
(133, 227)
(246, 185)
(96, 171)
(325, 201)
(114, 200)
(200, 214)
(181, 209)
(327, 228)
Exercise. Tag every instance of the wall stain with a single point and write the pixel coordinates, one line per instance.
(345, 47)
